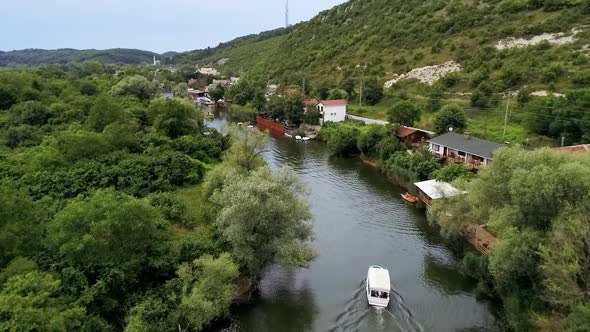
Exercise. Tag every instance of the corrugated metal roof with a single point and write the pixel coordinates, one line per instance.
(471, 145)
(438, 189)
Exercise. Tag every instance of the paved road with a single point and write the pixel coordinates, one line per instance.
(367, 120)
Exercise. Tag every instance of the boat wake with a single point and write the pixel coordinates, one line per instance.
(357, 315)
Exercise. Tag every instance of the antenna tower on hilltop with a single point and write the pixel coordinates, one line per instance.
(287, 14)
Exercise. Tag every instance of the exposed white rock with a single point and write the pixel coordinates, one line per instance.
(545, 93)
(552, 38)
(427, 75)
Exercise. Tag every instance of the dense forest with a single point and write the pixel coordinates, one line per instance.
(33, 57)
(120, 210)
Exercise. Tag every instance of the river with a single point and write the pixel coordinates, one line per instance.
(360, 220)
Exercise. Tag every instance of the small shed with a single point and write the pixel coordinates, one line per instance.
(435, 189)
(413, 136)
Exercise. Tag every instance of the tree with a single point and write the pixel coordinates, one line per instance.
(242, 92)
(32, 113)
(370, 137)
(104, 112)
(348, 85)
(8, 97)
(343, 140)
(450, 116)
(136, 85)
(107, 231)
(209, 286)
(175, 117)
(243, 156)
(267, 200)
(312, 116)
(372, 91)
(31, 302)
(218, 92)
(21, 221)
(404, 113)
(535, 202)
(295, 108)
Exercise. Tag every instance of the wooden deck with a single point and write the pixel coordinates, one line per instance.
(480, 238)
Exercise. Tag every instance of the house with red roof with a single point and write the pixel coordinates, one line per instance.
(333, 110)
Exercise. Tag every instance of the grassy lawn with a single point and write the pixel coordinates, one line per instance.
(487, 124)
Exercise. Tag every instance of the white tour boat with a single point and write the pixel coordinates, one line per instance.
(378, 286)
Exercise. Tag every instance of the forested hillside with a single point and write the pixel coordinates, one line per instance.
(471, 53)
(67, 55)
(394, 36)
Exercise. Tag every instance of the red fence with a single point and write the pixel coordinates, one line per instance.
(275, 127)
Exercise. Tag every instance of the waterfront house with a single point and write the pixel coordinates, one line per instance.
(413, 136)
(333, 110)
(463, 148)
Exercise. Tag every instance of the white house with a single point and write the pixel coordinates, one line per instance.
(333, 110)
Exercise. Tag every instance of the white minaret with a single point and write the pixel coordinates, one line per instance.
(287, 14)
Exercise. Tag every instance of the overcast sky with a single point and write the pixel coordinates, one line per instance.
(159, 26)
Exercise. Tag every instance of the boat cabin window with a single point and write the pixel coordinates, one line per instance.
(378, 294)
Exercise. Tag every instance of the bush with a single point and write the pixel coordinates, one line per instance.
(369, 139)
(341, 138)
(450, 172)
(404, 113)
(451, 116)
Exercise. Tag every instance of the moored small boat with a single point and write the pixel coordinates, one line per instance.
(298, 138)
(288, 135)
(305, 138)
(378, 286)
(410, 198)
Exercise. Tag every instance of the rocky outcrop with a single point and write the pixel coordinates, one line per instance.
(427, 75)
(560, 38)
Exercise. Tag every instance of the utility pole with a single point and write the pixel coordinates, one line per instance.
(361, 94)
(304, 86)
(506, 115)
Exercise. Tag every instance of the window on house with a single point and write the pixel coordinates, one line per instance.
(435, 147)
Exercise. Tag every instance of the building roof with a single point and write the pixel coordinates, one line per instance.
(469, 144)
(438, 189)
(334, 102)
(574, 149)
(311, 102)
(379, 278)
(405, 132)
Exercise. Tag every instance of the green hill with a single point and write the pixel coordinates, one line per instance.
(379, 39)
(67, 55)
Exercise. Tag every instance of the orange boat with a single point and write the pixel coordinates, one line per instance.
(410, 198)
